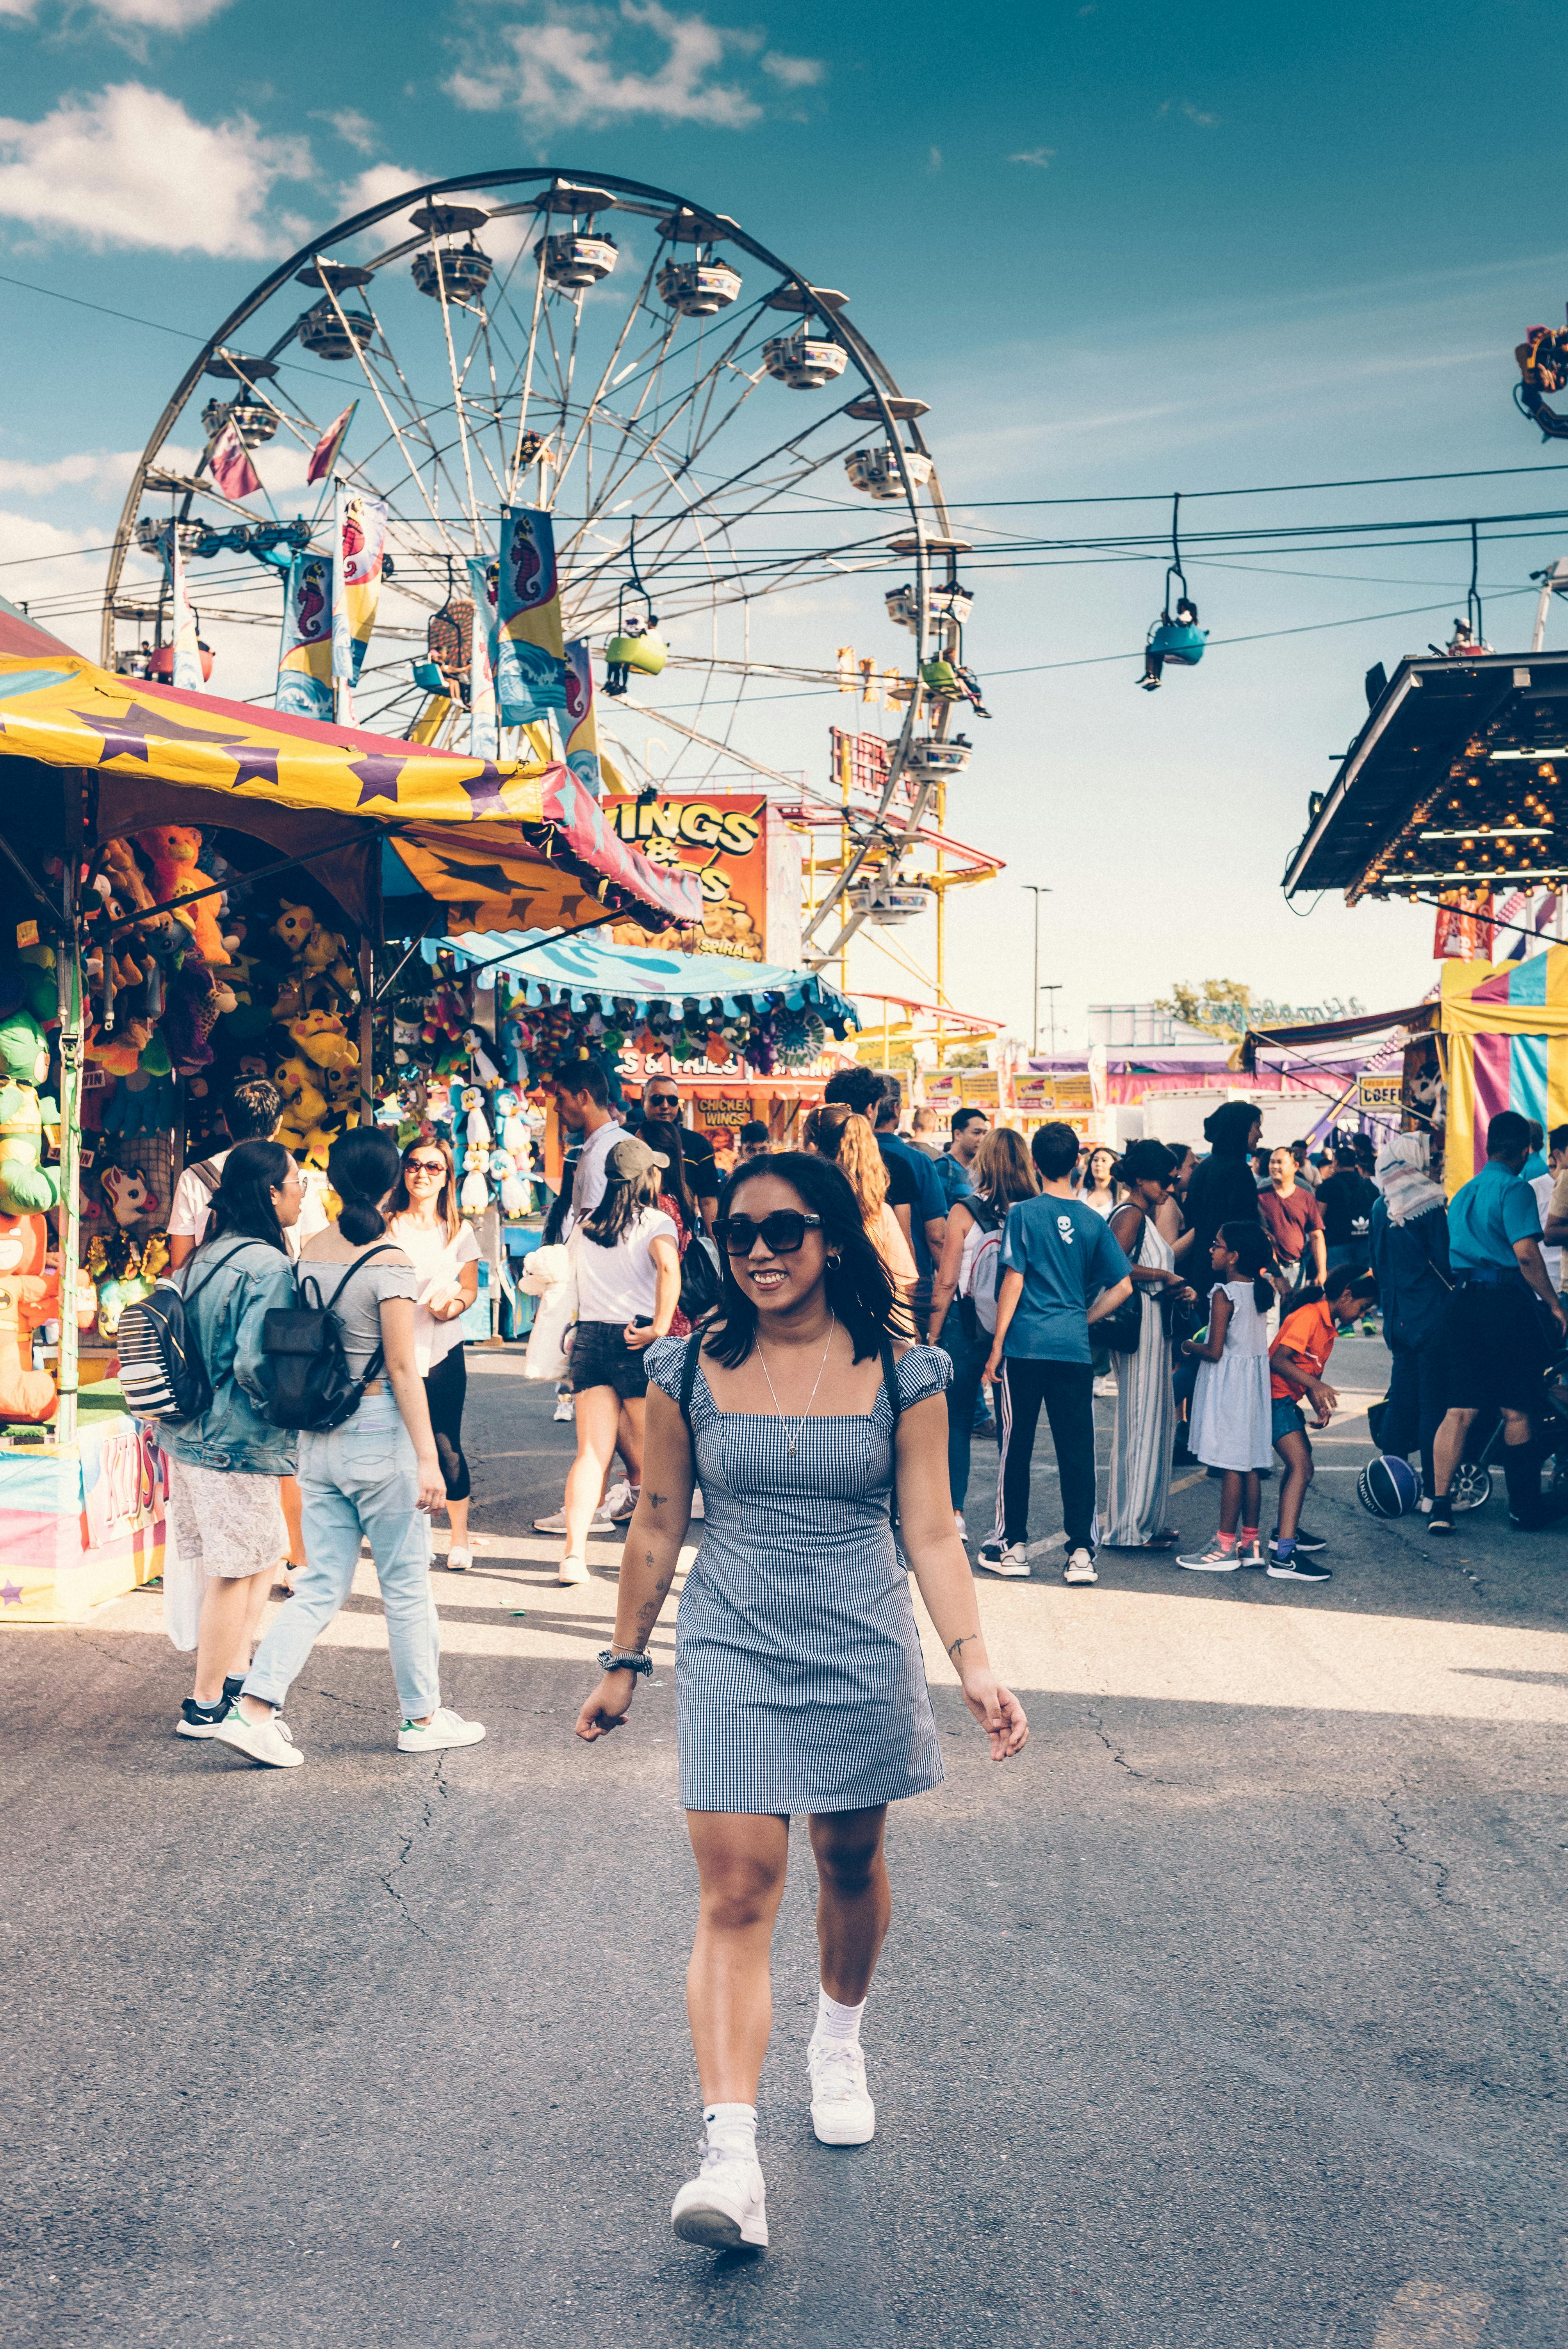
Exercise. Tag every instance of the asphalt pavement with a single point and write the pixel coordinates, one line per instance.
(1227, 2017)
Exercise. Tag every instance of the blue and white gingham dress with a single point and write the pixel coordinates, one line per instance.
(799, 1683)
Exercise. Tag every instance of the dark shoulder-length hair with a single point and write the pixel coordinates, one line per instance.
(857, 1289)
(450, 1214)
(243, 1203)
(622, 1206)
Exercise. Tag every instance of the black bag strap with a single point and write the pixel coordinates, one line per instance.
(188, 1296)
(895, 1405)
(985, 1211)
(208, 1173)
(688, 1374)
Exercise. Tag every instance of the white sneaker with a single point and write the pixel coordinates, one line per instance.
(841, 2111)
(444, 1727)
(959, 1527)
(1002, 1557)
(1079, 1567)
(563, 1407)
(697, 1509)
(459, 1561)
(620, 1503)
(264, 1741)
(726, 2206)
(573, 1570)
(1107, 1388)
(602, 1522)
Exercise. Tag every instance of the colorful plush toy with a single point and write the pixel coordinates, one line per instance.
(116, 858)
(444, 1019)
(480, 1060)
(27, 1186)
(188, 1017)
(322, 1037)
(171, 849)
(29, 985)
(474, 1196)
(127, 1193)
(28, 1296)
(511, 1127)
(513, 1190)
(475, 1126)
(324, 956)
(121, 1052)
(294, 926)
(141, 1105)
(300, 1128)
(343, 1098)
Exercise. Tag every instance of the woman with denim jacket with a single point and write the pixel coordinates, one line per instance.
(223, 1468)
(377, 1478)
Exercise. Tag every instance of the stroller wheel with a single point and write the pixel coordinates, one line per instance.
(1471, 1487)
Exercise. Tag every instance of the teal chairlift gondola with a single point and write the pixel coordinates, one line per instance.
(1175, 636)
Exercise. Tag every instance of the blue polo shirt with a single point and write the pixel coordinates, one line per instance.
(1491, 1211)
(1067, 1254)
(930, 1206)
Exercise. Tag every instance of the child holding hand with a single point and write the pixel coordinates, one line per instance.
(1297, 1360)
(1230, 1427)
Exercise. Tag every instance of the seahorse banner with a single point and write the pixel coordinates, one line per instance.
(530, 665)
(583, 729)
(187, 671)
(304, 655)
(359, 542)
(484, 732)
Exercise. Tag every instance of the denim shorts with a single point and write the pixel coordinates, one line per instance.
(602, 1358)
(1289, 1419)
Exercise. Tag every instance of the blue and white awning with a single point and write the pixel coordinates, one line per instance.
(591, 975)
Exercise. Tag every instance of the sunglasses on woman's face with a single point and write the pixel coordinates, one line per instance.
(780, 1233)
(426, 1167)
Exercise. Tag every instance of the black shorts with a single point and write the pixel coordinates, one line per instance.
(602, 1358)
(1494, 1347)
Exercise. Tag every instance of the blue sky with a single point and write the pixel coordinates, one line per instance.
(1121, 249)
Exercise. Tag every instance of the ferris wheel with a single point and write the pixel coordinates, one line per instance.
(711, 434)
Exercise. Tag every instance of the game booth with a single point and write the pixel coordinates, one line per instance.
(190, 891)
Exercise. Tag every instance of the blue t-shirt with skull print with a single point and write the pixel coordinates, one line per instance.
(1067, 1254)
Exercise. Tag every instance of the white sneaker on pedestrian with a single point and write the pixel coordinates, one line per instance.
(725, 2206)
(602, 1522)
(267, 1741)
(573, 1570)
(1079, 1567)
(959, 1526)
(563, 1407)
(619, 1504)
(1212, 1561)
(841, 2111)
(444, 1728)
(1106, 1388)
(1011, 1559)
(459, 1561)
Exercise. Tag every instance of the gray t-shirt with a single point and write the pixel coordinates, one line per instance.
(358, 1303)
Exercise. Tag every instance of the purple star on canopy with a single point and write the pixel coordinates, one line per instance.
(129, 736)
(12, 1594)
(256, 762)
(484, 789)
(378, 777)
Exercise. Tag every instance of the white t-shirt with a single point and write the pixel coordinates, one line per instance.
(620, 1283)
(1543, 1185)
(192, 1204)
(588, 1178)
(437, 1261)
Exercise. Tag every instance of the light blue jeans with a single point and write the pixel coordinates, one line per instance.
(362, 1479)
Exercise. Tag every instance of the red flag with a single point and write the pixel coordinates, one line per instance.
(229, 464)
(324, 456)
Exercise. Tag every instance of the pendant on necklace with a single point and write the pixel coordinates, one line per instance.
(792, 1444)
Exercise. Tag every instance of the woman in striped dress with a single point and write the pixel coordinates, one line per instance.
(800, 1682)
(1145, 1398)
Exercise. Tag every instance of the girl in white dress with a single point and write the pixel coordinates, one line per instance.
(1231, 1418)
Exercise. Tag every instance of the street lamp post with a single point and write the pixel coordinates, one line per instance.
(1053, 987)
(1037, 890)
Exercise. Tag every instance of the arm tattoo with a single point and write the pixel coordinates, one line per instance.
(966, 1639)
(657, 1500)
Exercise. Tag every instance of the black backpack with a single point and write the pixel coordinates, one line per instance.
(160, 1367)
(304, 1373)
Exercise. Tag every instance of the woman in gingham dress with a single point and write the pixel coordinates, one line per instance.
(799, 1681)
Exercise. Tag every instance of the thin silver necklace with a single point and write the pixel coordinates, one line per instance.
(805, 1415)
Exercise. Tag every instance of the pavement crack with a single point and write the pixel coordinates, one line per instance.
(1402, 1845)
(131, 1664)
(437, 1787)
(1145, 1777)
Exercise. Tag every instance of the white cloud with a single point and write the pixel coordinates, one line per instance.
(603, 64)
(354, 128)
(1204, 121)
(374, 185)
(1038, 157)
(131, 167)
(794, 73)
(97, 469)
(160, 16)
(934, 159)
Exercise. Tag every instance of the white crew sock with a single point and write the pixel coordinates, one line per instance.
(733, 2128)
(838, 2023)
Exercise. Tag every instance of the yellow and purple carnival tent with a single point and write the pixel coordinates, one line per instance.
(1502, 1032)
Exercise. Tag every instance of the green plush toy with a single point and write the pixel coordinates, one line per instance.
(27, 1186)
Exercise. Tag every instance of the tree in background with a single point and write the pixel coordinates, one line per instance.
(1222, 1006)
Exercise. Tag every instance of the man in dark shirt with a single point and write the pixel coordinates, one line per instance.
(1346, 1199)
(661, 1112)
(1222, 1189)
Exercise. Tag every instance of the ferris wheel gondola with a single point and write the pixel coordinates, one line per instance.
(507, 349)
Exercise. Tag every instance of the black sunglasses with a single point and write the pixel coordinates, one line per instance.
(781, 1233)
